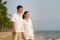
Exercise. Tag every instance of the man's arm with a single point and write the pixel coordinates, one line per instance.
(13, 22)
(13, 26)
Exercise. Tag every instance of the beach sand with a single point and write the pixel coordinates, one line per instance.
(5, 35)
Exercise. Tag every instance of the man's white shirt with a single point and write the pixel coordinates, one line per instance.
(17, 19)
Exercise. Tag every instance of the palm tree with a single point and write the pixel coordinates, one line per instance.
(4, 19)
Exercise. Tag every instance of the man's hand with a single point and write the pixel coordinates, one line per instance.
(14, 31)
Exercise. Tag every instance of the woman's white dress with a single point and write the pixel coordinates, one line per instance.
(28, 28)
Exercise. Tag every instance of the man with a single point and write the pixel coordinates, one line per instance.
(17, 23)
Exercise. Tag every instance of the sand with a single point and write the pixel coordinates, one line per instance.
(5, 35)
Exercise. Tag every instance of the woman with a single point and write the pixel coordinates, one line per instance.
(29, 35)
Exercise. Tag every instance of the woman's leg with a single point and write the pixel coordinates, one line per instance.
(31, 37)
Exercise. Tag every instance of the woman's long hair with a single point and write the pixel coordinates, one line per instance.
(24, 14)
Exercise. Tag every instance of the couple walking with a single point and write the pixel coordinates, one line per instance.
(22, 25)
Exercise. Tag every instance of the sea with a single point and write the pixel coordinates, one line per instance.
(47, 35)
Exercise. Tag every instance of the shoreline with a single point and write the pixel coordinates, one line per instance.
(8, 36)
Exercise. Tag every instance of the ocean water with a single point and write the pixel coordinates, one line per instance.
(47, 35)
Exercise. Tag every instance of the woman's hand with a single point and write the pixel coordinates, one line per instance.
(23, 35)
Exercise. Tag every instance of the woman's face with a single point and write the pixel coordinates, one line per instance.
(26, 15)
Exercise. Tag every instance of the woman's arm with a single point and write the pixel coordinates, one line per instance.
(23, 35)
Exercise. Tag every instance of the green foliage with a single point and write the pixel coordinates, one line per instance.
(4, 19)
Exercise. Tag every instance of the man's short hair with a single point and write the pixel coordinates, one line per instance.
(19, 6)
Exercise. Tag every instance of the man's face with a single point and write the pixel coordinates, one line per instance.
(20, 10)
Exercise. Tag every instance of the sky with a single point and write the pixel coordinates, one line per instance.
(45, 14)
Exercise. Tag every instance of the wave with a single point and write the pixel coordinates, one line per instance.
(47, 35)
(39, 37)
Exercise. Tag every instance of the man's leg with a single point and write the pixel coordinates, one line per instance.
(20, 35)
(16, 36)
